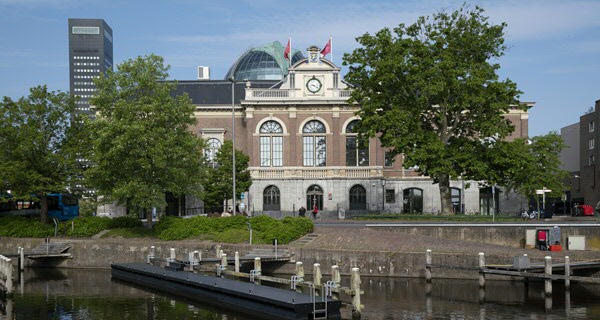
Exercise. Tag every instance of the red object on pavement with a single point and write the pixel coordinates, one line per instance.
(556, 247)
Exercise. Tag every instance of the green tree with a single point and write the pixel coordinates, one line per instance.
(38, 145)
(431, 92)
(142, 146)
(537, 166)
(218, 180)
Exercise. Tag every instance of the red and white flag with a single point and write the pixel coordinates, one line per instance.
(288, 49)
(326, 49)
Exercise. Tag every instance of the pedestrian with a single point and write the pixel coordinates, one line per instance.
(302, 211)
(315, 211)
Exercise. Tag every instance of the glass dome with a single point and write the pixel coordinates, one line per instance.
(263, 63)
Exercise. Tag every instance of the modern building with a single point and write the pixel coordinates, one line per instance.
(585, 178)
(90, 54)
(298, 133)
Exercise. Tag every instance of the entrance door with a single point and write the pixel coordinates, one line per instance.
(314, 195)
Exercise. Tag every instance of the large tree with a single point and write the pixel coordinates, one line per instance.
(431, 92)
(142, 146)
(39, 145)
(218, 179)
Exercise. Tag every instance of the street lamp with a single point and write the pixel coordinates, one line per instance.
(232, 80)
(578, 181)
(383, 195)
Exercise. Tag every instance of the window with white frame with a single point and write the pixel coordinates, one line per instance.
(210, 152)
(357, 150)
(271, 144)
(315, 144)
(592, 126)
(592, 142)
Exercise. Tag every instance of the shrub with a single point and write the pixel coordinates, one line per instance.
(21, 227)
(232, 236)
(164, 223)
(88, 226)
(125, 222)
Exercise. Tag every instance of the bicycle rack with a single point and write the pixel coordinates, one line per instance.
(313, 299)
(294, 282)
(329, 288)
(254, 274)
(220, 269)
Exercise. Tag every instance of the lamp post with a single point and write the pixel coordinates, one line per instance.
(232, 80)
(382, 195)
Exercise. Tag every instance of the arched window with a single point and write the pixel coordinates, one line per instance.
(455, 194)
(357, 150)
(271, 199)
(314, 196)
(358, 198)
(271, 144)
(489, 198)
(210, 153)
(413, 200)
(315, 146)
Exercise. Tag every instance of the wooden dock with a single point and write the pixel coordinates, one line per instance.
(537, 271)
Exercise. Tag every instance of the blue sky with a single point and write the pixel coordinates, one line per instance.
(554, 54)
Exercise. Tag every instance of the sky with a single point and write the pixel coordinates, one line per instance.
(553, 55)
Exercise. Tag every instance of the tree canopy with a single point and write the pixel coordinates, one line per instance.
(218, 178)
(142, 147)
(431, 92)
(39, 145)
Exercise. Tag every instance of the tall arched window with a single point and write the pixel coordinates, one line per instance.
(210, 152)
(315, 145)
(357, 150)
(271, 144)
(413, 200)
(271, 199)
(358, 198)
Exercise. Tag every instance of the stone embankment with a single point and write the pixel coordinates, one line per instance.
(377, 252)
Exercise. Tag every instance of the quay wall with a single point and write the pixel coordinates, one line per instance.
(100, 253)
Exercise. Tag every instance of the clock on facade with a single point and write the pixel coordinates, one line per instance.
(313, 85)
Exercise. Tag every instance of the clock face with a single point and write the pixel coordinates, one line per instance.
(313, 85)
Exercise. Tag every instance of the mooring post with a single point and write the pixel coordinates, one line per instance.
(224, 260)
(257, 270)
(567, 273)
(355, 287)
(6, 269)
(172, 256)
(237, 262)
(428, 260)
(300, 271)
(335, 275)
(317, 274)
(151, 255)
(548, 271)
(218, 251)
(481, 266)
(21, 258)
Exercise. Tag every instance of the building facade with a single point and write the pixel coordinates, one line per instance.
(90, 54)
(298, 133)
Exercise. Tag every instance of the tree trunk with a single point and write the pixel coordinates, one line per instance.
(44, 212)
(445, 194)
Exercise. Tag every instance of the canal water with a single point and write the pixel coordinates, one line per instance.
(92, 294)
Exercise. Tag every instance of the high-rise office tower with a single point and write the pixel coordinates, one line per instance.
(90, 54)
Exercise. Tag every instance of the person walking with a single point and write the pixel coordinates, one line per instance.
(315, 211)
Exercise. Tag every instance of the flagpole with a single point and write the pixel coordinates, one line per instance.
(331, 47)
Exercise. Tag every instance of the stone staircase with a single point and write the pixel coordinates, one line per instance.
(304, 240)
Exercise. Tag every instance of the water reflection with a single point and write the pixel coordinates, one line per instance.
(90, 294)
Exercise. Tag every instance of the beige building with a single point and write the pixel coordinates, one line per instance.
(296, 125)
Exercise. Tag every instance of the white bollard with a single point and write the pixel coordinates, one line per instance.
(224, 260)
(237, 261)
(355, 287)
(218, 251)
(548, 271)
(428, 260)
(335, 275)
(257, 265)
(172, 254)
(481, 266)
(300, 271)
(317, 274)
(567, 273)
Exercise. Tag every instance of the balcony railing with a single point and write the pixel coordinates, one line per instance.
(253, 94)
(315, 172)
